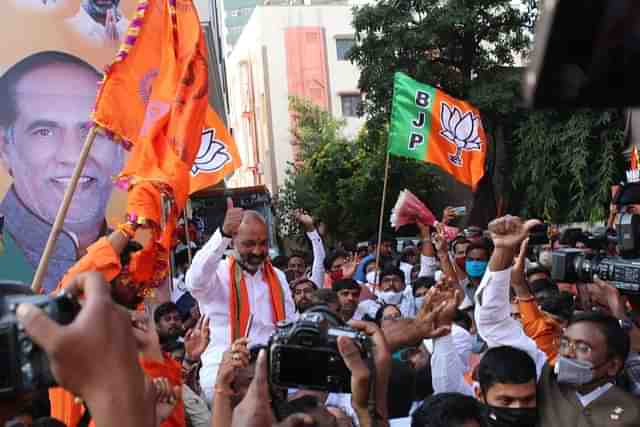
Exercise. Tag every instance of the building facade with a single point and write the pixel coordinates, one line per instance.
(287, 51)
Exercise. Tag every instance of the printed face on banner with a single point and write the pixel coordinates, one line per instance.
(48, 85)
(44, 124)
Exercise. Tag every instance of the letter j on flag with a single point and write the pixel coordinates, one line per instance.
(430, 126)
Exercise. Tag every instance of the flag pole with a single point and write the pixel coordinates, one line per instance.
(186, 234)
(384, 196)
(36, 285)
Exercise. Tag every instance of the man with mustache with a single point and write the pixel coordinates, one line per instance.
(100, 22)
(242, 295)
(45, 104)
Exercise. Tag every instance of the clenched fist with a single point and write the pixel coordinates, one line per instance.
(509, 231)
(232, 219)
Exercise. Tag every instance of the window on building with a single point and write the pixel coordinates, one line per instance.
(343, 46)
(351, 105)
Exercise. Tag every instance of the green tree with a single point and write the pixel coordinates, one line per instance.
(443, 43)
(558, 165)
(340, 181)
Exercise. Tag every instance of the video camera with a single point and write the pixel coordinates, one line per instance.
(24, 365)
(304, 354)
(575, 265)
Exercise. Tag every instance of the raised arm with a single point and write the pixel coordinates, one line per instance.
(317, 246)
(493, 314)
(447, 369)
(205, 263)
(428, 261)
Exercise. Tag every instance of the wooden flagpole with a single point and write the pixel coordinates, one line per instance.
(384, 197)
(186, 233)
(36, 285)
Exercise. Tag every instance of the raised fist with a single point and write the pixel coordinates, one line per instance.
(509, 231)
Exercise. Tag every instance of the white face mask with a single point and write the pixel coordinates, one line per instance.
(390, 297)
(372, 277)
(419, 302)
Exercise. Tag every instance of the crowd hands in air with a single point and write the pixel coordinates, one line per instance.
(467, 332)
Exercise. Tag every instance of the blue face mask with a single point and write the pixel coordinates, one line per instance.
(475, 269)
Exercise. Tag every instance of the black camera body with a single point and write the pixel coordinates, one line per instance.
(304, 354)
(25, 366)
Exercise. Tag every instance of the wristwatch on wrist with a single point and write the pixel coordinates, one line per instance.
(225, 235)
(626, 324)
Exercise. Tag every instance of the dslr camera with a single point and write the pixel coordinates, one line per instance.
(304, 354)
(623, 271)
(25, 366)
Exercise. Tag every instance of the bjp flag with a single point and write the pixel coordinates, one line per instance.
(154, 97)
(430, 126)
(217, 157)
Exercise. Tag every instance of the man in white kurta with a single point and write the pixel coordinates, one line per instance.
(208, 281)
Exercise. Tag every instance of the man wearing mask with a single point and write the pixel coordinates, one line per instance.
(580, 389)
(242, 295)
(392, 290)
(475, 264)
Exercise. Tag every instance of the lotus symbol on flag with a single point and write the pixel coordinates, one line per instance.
(212, 154)
(460, 130)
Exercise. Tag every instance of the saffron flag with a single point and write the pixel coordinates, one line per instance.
(130, 79)
(430, 126)
(217, 156)
(635, 161)
(154, 96)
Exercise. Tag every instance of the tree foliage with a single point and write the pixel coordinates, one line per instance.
(566, 163)
(340, 181)
(443, 43)
(556, 164)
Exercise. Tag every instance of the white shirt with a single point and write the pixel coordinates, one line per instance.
(317, 268)
(406, 268)
(493, 317)
(208, 281)
(447, 368)
(94, 32)
(428, 266)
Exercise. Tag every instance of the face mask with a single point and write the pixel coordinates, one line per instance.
(476, 269)
(390, 297)
(336, 275)
(573, 371)
(372, 277)
(510, 417)
(419, 302)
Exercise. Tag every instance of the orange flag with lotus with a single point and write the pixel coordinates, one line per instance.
(430, 126)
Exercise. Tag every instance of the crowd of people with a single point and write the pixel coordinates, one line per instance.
(466, 332)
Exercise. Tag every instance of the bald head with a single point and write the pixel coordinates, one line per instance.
(253, 217)
(252, 241)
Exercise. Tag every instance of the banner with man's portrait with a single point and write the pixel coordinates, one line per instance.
(51, 61)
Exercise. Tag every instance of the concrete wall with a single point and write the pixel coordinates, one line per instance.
(262, 49)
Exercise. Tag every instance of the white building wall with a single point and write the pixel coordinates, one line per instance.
(266, 28)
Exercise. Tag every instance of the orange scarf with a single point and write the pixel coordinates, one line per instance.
(239, 308)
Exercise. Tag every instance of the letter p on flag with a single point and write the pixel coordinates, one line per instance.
(432, 127)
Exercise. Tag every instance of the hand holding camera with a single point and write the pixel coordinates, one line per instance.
(100, 326)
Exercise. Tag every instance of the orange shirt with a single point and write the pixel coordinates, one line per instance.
(544, 330)
(65, 408)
